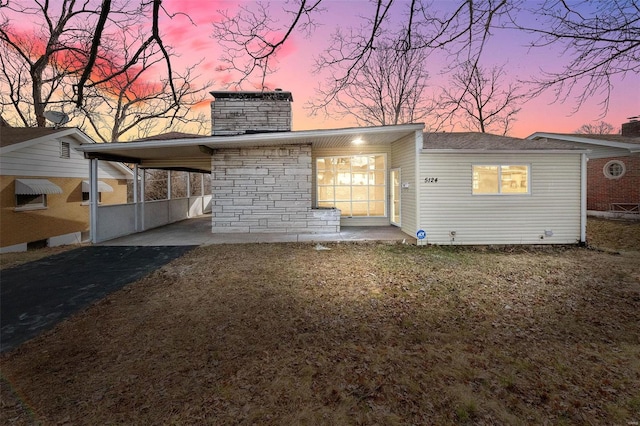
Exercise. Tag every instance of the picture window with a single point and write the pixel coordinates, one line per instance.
(357, 185)
(500, 179)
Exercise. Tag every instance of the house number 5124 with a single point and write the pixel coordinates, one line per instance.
(430, 180)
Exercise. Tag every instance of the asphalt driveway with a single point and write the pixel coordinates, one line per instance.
(37, 295)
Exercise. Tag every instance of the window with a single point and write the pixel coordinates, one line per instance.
(356, 185)
(65, 151)
(500, 179)
(30, 201)
(86, 190)
(85, 197)
(31, 194)
(614, 169)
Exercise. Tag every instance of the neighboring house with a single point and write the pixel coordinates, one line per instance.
(613, 169)
(450, 188)
(44, 187)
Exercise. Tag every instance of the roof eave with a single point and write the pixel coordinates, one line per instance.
(578, 139)
(502, 151)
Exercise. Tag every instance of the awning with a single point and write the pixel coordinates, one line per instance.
(102, 187)
(36, 187)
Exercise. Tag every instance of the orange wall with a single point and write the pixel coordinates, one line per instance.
(64, 214)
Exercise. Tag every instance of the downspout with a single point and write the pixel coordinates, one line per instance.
(583, 200)
(93, 200)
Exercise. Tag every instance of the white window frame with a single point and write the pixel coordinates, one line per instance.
(607, 172)
(385, 186)
(27, 207)
(500, 193)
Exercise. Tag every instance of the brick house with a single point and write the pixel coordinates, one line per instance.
(613, 169)
(44, 187)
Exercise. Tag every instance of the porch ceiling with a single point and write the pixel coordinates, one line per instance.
(195, 153)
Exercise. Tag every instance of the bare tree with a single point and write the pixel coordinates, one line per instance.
(600, 128)
(600, 39)
(132, 104)
(389, 89)
(251, 38)
(67, 49)
(479, 100)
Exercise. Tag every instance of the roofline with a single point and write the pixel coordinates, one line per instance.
(71, 131)
(578, 139)
(254, 139)
(502, 151)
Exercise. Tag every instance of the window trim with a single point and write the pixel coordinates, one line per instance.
(500, 193)
(28, 207)
(607, 173)
(385, 172)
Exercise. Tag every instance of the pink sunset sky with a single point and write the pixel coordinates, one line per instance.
(192, 39)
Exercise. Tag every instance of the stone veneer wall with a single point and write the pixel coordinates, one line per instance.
(232, 116)
(268, 189)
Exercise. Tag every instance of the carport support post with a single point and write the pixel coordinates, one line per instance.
(135, 196)
(168, 184)
(93, 200)
(142, 185)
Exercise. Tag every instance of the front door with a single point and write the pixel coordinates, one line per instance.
(395, 197)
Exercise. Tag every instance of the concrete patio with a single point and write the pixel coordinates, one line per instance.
(197, 231)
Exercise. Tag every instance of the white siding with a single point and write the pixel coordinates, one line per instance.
(403, 156)
(44, 160)
(552, 205)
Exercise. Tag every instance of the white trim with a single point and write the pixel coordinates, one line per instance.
(392, 192)
(589, 141)
(504, 151)
(608, 175)
(254, 139)
(81, 137)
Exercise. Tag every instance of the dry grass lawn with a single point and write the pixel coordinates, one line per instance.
(274, 334)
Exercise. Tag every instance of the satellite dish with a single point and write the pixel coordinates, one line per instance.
(56, 117)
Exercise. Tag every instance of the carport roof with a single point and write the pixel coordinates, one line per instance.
(194, 153)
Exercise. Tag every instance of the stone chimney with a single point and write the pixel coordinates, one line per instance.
(236, 113)
(632, 128)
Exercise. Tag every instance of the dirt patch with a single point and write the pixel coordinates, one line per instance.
(359, 334)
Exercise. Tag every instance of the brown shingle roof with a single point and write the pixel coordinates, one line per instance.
(14, 135)
(487, 141)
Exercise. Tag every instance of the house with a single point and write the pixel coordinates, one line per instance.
(613, 169)
(44, 187)
(444, 188)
